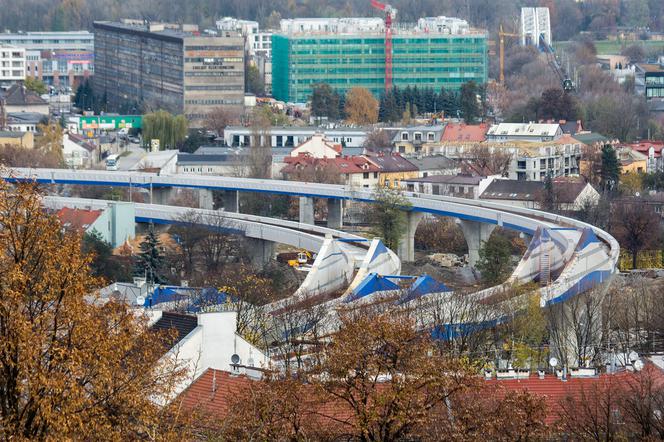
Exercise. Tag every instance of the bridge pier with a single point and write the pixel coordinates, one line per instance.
(406, 249)
(162, 195)
(231, 201)
(475, 234)
(205, 199)
(306, 210)
(260, 251)
(335, 213)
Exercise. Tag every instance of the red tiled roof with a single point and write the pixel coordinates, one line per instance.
(644, 146)
(77, 218)
(211, 392)
(82, 142)
(344, 165)
(465, 132)
(555, 390)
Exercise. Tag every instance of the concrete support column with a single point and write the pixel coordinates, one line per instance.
(475, 234)
(406, 250)
(231, 201)
(260, 251)
(162, 195)
(205, 199)
(335, 213)
(306, 210)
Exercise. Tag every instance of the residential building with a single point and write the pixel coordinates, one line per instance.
(77, 152)
(25, 121)
(57, 58)
(394, 169)
(115, 224)
(354, 171)
(17, 139)
(532, 132)
(632, 161)
(161, 161)
(18, 99)
(256, 42)
(291, 136)
(463, 186)
(12, 65)
(464, 133)
(430, 165)
(594, 140)
(529, 161)
(224, 161)
(568, 195)
(649, 80)
(317, 147)
(416, 139)
(350, 52)
(653, 151)
(173, 67)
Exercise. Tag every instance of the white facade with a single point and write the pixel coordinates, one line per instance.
(533, 132)
(316, 147)
(210, 345)
(256, 42)
(12, 64)
(292, 136)
(443, 25)
(74, 154)
(332, 25)
(535, 22)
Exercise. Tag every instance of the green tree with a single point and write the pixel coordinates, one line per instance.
(610, 171)
(104, 263)
(254, 83)
(388, 215)
(170, 130)
(324, 101)
(494, 263)
(470, 107)
(150, 261)
(548, 195)
(35, 85)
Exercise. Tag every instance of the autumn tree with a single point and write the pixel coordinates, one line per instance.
(35, 85)
(72, 369)
(635, 226)
(482, 159)
(218, 119)
(50, 141)
(388, 216)
(361, 107)
(378, 140)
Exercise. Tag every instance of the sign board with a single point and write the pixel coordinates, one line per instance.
(154, 145)
(111, 122)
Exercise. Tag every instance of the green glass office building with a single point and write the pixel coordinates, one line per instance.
(425, 60)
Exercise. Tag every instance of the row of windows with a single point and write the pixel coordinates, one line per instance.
(212, 102)
(396, 40)
(655, 92)
(397, 61)
(213, 60)
(215, 87)
(213, 48)
(214, 74)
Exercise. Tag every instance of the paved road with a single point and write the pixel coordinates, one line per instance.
(136, 152)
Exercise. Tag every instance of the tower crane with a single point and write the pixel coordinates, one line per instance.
(501, 36)
(390, 17)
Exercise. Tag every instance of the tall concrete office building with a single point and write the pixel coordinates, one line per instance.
(142, 67)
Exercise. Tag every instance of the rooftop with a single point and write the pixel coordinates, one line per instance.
(433, 162)
(161, 31)
(18, 95)
(449, 179)
(393, 163)
(518, 190)
(11, 134)
(77, 219)
(25, 117)
(524, 129)
(182, 325)
(465, 132)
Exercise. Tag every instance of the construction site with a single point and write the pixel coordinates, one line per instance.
(376, 53)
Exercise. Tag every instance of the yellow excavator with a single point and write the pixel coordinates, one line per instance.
(296, 259)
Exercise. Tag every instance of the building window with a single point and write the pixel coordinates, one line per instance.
(431, 136)
(365, 175)
(418, 136)
(375, 174)
(404, 136)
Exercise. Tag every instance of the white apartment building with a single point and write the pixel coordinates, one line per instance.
(530, 132)
(256, 42)
(12, 65)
